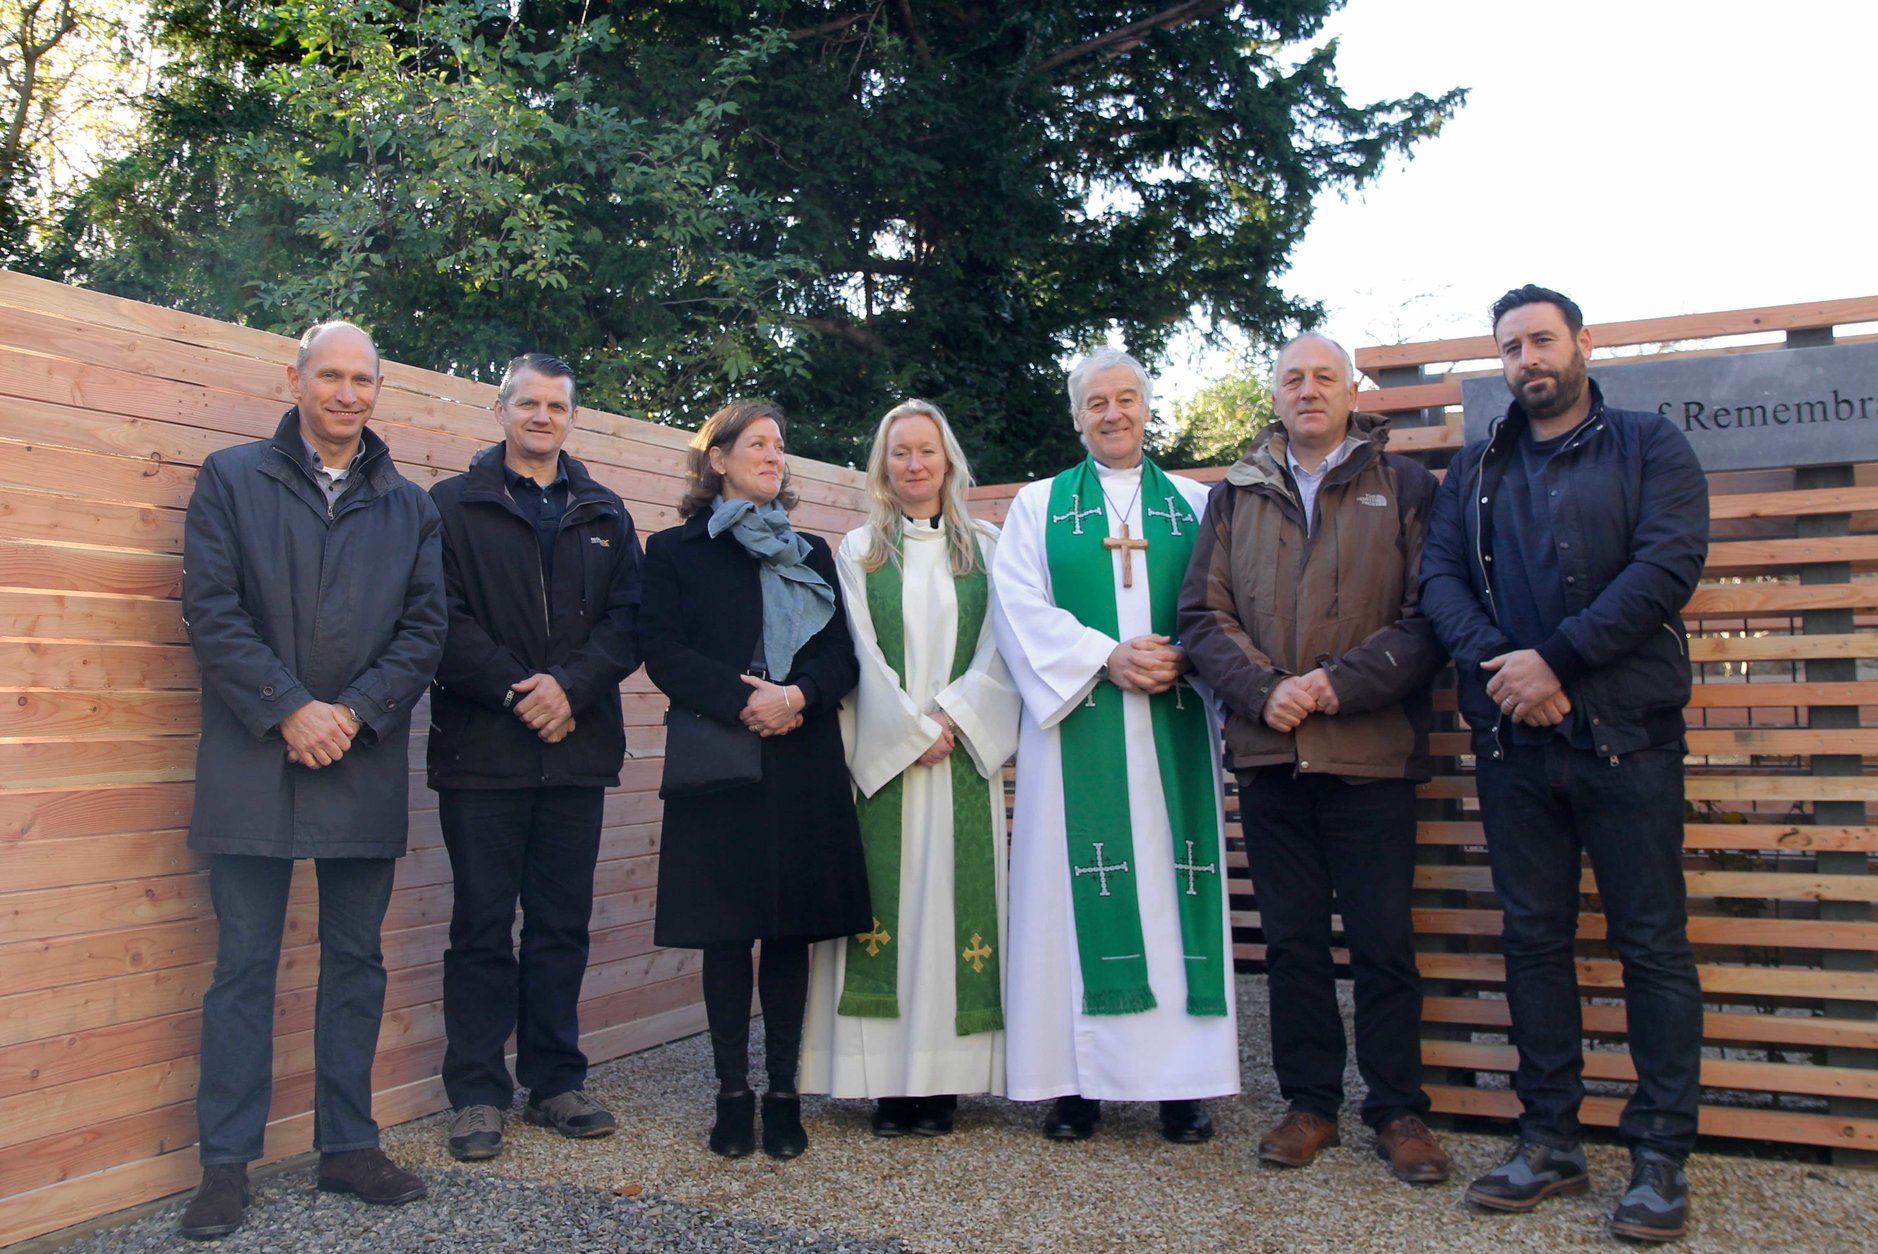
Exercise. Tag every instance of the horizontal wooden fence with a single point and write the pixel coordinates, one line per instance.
(107, 938)
(1778, 849)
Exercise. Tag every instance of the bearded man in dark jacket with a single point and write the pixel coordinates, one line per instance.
(541, 566)
(1300, 609)
(313, 593)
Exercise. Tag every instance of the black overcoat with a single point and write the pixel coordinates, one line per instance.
(288, 601)
(780, 858)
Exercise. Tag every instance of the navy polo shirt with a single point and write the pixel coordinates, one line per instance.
(543, 507)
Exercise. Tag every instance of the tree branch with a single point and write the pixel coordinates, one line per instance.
(848, 331)
(832, 27)
(1125, 38)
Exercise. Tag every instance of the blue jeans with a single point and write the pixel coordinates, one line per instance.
(1307, 837)
(236, 1088)
(538, 845)
(1543, 806)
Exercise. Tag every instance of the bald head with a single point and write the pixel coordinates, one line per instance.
(319, 330)
(1312, 337)
(1313, 392)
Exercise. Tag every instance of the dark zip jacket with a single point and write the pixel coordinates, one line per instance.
(1628, 521)
(507, 623)
(289, 600)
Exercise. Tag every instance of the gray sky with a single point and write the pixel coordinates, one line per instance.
(1648, 157)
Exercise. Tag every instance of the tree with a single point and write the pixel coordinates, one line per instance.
(1215, 427)
(838, 203)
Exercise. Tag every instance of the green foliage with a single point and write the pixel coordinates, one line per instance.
(835, 203)
(1216, 426)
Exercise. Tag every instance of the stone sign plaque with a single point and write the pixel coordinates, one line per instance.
(1782, 407)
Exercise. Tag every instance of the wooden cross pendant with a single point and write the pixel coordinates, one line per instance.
(1128, 548)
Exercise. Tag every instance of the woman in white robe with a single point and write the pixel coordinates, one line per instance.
(909, 1013)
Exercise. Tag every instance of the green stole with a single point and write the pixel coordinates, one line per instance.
(1095, 758)
(870, 988)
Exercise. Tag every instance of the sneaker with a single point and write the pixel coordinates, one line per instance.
(220, 1203)
(1534, 1172)
(369, 1175)
(1656, 1205)
(572, 1113)
(476, 1134)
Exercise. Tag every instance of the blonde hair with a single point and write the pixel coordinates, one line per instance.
(884, 518)
(721, 430)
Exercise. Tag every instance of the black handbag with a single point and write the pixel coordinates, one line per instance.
(704, 756)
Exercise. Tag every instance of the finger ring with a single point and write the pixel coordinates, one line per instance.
(1507, 705)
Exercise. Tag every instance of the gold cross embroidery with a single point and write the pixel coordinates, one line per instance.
(874, 939)
(978, 952)
(1128, 548)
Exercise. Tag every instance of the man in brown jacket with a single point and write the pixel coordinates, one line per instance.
(1299, 609)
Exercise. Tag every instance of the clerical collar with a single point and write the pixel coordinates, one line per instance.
(935, 522)
(1110, 472)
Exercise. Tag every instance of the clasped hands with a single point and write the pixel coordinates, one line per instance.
(1526, 690)
(1297, 697)
(771, 709)
(1147, 664)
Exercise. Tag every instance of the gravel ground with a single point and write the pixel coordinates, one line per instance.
(995, 1185)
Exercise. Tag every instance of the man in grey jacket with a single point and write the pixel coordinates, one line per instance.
(313, 594)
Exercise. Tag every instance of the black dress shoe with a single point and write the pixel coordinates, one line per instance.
(734, 1133)
(783, 1136)
(1186, 1122)
(934, 1115)
(1072, 1118)
(895, 1116)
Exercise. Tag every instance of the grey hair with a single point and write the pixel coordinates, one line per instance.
(1349, 366)
(320, 328)
(544, 364)
(1101, 359)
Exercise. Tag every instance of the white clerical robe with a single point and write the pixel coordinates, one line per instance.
(919, 1054)
(1053, 1048)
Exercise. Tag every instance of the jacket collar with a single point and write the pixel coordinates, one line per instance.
(1507, 431)
(486, 480)
(291, 445)
(1264, 463)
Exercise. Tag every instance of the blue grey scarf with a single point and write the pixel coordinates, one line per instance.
(797, 602)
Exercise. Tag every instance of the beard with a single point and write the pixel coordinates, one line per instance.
(1547, 394)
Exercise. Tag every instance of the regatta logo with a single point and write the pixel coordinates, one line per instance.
(605, 544)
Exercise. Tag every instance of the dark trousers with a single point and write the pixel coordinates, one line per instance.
(538, 845)
(1543, 807)
(783, 985)
(1308, 837)
(237, 1081)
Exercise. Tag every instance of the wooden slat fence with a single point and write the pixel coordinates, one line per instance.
(107, 939)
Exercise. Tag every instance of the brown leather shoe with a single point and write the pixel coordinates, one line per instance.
(1411, 1151)
(1295, 1140)
(370, 1175)
(220, 1203)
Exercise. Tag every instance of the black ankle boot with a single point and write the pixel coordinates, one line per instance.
(783, 1136)
(734, 1133)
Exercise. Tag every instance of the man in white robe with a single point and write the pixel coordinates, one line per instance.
(1176, 1041)
(920, 1051)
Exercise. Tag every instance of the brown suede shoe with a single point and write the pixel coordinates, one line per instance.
(370, 1175)
(1411, 1151)
(1295, 1140)
(220, 1203)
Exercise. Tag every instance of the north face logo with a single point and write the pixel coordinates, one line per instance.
(1372, 498)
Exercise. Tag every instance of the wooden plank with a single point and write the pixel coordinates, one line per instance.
(36, 864)
(1604, 1112)
(135, 481)
(1781, 648)
(1779, 885)
(1639, 331)
(59, 567)
(64, 763)
(1745, 1027)
(95, 667)
(1721, 741)
(37, 713)
(1793, 504)
(1738, 556)
(54, 814)
(1717, 978)
(1717, 1073)
(1702, 787)
(1759, 695)
(1793, 837)
(1763, 596)
(78, 616)
(1702, 929)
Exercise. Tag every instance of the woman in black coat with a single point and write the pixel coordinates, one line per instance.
(742, 623)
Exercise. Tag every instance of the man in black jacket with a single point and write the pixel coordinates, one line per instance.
(541, 572)
(313, 592)
(1562, 550)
